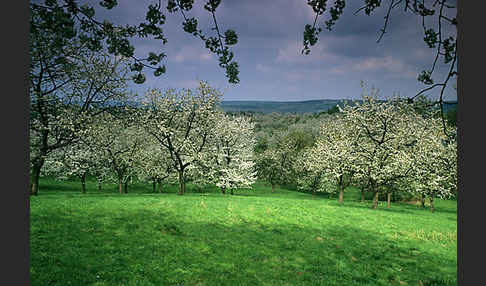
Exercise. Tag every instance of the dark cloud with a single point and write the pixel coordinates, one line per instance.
(270, 41)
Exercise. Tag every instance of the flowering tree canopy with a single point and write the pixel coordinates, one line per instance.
(230, 153)
(182, 122)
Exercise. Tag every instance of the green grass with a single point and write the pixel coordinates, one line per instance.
(252, 238)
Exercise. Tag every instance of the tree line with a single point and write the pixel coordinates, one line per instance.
(385, 147)
(382, 146)
(171, 136)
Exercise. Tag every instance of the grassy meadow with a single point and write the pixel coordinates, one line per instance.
(254, 237)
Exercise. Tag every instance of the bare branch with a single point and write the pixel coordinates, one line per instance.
(387, 16)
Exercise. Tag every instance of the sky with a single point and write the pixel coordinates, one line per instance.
(270, 35)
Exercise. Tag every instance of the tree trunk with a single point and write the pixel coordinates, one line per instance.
(388, 204)
(422, 201)
(362, 195)
(341, 193)
(182, 185)
(231, 191)
(154, 185)
(35, 179)
(431, 199)
(223, 191)
(83, 183)
(273, 188)
(36, 169)
(120, 185)
(125, 187)
(341, 189)
(375, 200)
(159, 186)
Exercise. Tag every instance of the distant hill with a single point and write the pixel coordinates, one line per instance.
(450, 105)
(307, 106)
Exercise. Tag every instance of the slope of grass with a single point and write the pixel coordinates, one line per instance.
(252, 238)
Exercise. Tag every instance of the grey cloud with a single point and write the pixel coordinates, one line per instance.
(268, 51)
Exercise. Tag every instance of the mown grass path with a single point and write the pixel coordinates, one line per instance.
(251, 238)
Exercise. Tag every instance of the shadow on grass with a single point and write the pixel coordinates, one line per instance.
(444, 210)
(404, 209)
(350, 201)
(57, 187)
(158, 247)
